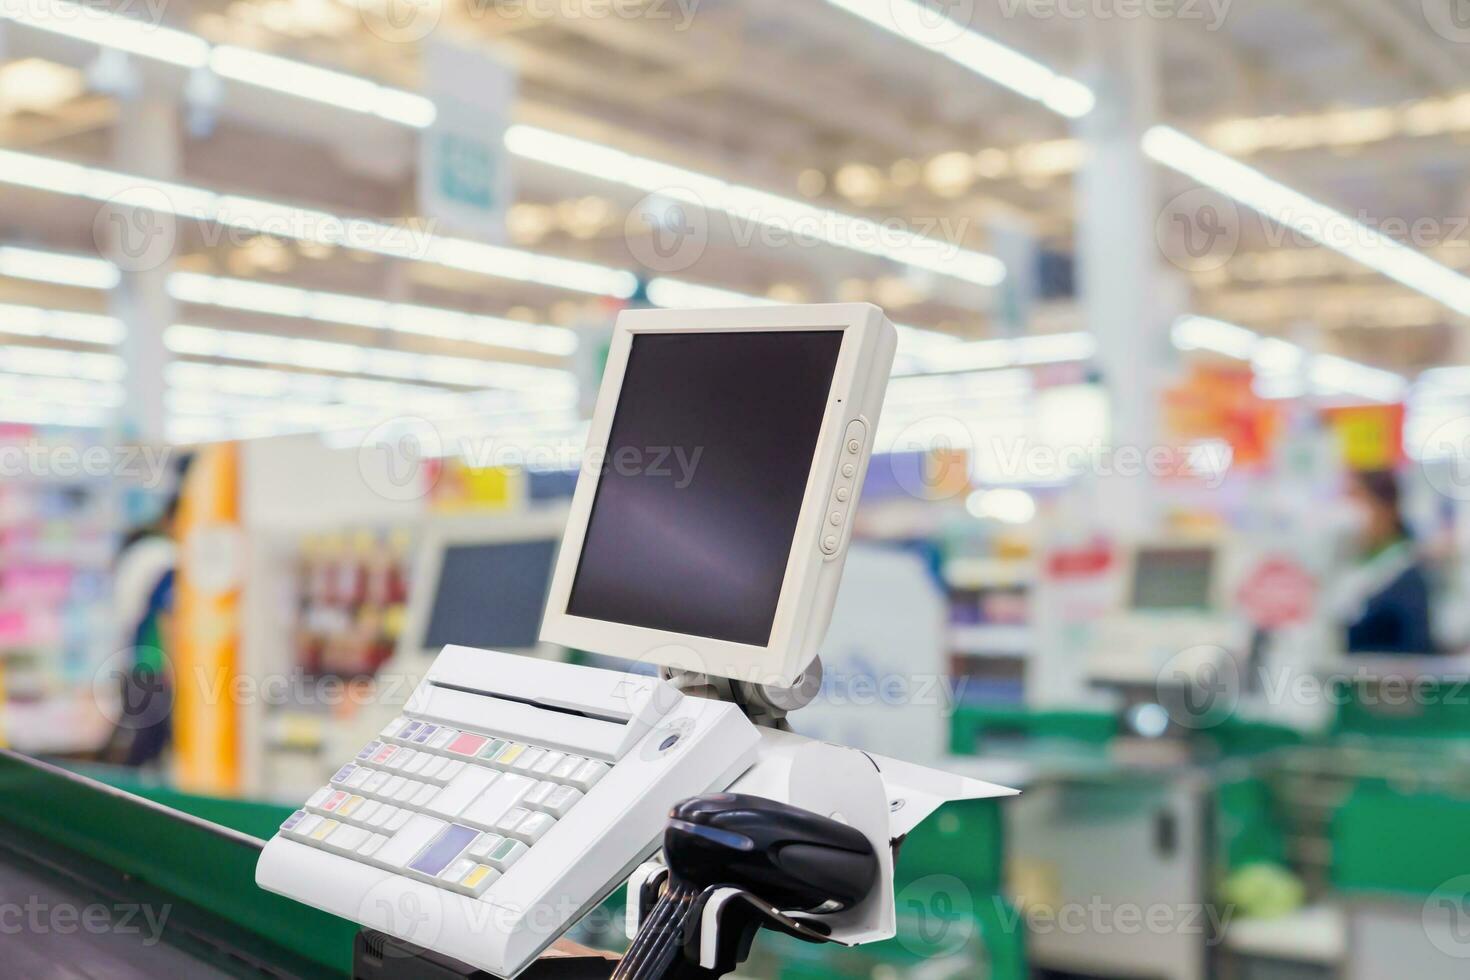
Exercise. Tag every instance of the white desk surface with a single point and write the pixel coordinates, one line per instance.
(1313, 934)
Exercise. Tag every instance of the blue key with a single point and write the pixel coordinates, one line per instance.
(449, 845)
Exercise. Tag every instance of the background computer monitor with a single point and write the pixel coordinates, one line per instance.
(1173, 579)
(732, 447)
(482, 582)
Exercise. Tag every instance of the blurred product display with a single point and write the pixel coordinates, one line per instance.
(306, 311)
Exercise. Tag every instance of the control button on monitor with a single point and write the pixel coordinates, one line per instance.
(854, 447)
(836, 518)
(829, 544)
(842, 494)
(848, 470)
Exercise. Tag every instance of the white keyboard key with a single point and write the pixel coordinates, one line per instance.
(371, 845)
(361, 778)
(505, 793)
(350, 806)
(365, 812)
(538, 795)
(462, 790)
(391, 789)
(407, 791)
(455, 872)
(507, 824)
(561, 800)
(451, 769)
(306, 826)
(381, 816)
(433, 764)
(415, 765)
(534, 827)
(398, 820)
(442, 738)
(508, 853)
(373, 785)
(587, 775)
(346, 839)
(399, 759)
(393, 727)
(424, 796)
(481, 848)
(319, 797)
(324, 830)
(566, 767)
(416, 834)
(548, 762)
(528, 759)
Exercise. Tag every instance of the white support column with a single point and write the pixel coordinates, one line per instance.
(1123, 289)
(141, 240)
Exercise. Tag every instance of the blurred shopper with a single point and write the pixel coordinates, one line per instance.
(1384, 601)
(143, 604)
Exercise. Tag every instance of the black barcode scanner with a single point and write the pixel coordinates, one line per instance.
(780, 858)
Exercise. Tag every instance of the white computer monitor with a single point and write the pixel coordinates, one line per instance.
(725, 459)
(481, 581)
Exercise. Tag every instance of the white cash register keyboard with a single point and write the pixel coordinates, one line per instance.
(509, 798)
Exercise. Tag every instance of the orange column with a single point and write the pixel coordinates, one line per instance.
(206, 638)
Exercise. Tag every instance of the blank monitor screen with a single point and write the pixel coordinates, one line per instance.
(1173, 578)
(701, 488)
(491, 595)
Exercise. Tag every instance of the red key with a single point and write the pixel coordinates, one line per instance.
(468, 744)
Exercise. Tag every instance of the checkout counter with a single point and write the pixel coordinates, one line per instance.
(1155, 806)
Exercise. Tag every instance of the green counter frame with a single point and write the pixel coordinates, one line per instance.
(205, 869)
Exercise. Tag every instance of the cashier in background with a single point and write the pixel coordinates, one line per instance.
(143, 605)
(1384, 600)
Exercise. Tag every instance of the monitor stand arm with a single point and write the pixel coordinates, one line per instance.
(766, 705)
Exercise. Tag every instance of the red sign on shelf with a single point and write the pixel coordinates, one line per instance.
(1278, 592)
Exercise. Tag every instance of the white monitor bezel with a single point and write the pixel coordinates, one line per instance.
(438, 535)
(780, 659)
